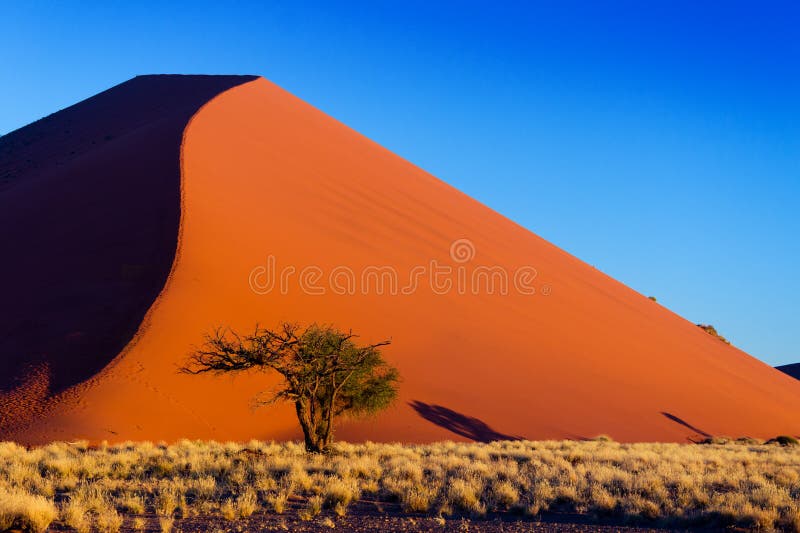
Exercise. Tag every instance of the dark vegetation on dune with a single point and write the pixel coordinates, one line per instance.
(90, 210)
(711, 330)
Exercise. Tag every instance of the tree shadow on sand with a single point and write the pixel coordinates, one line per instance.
(685, 424)
(460, 424)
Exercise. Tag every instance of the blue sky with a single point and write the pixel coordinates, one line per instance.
(658, 141)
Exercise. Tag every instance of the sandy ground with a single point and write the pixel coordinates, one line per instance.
(366, 517)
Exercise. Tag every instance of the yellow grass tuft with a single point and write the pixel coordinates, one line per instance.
(247, 503)
(165, 523)
(108, 520)
(75, 515)
(25, 511)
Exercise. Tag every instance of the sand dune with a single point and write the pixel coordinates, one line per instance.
(265, 179)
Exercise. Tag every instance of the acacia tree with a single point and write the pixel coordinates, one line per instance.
(325, 373)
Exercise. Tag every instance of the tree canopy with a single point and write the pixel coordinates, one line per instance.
(326, 374)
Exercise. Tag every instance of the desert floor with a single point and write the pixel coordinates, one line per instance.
(500, 486)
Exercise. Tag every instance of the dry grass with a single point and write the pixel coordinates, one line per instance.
(741, 483)
(19, 510)
(108, 520)
(165, 523)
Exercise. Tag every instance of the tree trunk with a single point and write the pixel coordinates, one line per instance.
(326, 435)
(312, 441)
(323, 429)
(323, 433)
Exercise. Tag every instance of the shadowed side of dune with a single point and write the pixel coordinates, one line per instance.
(90, 213)
(792, 370)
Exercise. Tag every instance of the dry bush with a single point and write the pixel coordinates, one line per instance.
(418, 498)
(169, 498)
(247, 503)
(340, 491)
(165, 523)
(25, 511)
(75, 515)
(228, 510)
(465, 495)
(313, 508)
(504, 495)
(131, 504)
(108, 520)
(277, 500)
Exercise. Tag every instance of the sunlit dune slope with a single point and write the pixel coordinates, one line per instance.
(273, 187)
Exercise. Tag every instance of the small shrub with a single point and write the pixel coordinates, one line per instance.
(26, 512)
(165, 523)
(784, 440)
(418, 498)
(228, 510)
(711, 330)
(464, 495)
(716, 440)
(504, 494)
(247, 503)
(542, 495)
(108, 520)
(602, 501)
(313, 508)
(74, 515)
(131, 504)
(339, 491)
(340, 508)
(166, 502)
(277, 501)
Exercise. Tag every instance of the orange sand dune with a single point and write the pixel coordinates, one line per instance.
(268, 181)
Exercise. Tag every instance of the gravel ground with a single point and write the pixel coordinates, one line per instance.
(364, 517)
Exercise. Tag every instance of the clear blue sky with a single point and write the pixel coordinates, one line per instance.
(658, 141)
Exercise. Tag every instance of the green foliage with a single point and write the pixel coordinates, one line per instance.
(784, 440)
(325, 373)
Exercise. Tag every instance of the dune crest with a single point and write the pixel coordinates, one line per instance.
(286, 214)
